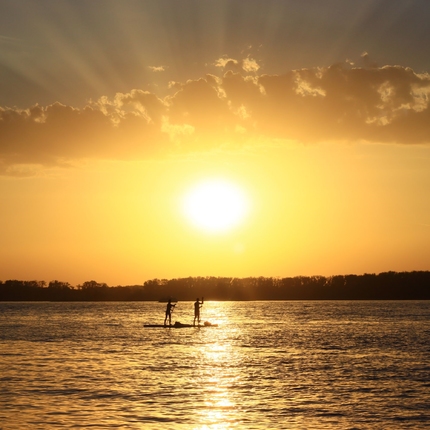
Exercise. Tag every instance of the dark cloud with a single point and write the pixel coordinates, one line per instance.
(341, 102)
(127, 127)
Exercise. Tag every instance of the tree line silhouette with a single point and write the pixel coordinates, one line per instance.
(383, 286)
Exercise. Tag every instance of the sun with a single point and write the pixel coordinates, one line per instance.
(215, 205)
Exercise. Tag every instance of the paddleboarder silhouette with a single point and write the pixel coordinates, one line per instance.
(197, 305)
(169, 310)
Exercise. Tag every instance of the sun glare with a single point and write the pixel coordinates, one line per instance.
(215, 205)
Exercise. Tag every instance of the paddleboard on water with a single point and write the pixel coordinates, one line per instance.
(180, 325)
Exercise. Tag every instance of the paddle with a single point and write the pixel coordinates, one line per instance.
(203, 301)
(173, 308)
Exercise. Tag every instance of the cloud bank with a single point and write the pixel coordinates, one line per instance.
(387, 104)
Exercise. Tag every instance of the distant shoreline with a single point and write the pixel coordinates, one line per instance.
(383, 286)
(216, 300)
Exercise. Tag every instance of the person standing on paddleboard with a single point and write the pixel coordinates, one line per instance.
(197, 305)
(169, 310)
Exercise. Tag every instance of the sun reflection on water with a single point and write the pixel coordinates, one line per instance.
(220, 378)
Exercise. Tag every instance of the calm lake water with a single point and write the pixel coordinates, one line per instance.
(268, 365)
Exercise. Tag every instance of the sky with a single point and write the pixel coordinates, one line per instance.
(310, 119)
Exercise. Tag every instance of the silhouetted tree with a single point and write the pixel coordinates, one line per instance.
(385, 286)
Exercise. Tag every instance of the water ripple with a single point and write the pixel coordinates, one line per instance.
(319, 365)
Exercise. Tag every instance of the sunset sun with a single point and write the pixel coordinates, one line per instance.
(215, 205)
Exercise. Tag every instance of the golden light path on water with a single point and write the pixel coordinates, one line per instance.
(221, 402)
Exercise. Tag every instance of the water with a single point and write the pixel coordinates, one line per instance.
(269, 365)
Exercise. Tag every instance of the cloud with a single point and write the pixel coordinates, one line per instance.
(157, 68)
(127, 127)
(250, 65)
(228, 64)
(246, 65)
(341, 102)
(386, 104)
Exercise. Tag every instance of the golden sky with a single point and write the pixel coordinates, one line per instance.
(310, 119)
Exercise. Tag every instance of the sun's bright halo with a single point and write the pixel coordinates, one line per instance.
(215, 205)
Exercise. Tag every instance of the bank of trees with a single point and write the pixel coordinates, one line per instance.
(382, 286)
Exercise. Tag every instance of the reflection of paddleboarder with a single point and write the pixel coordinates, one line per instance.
(169, 310)
(197, 305)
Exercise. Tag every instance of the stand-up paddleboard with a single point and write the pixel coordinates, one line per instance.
(180, 325)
